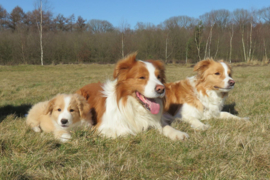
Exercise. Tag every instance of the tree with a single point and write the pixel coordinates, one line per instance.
(16, 18)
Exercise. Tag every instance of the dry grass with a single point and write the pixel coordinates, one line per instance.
(228, 150)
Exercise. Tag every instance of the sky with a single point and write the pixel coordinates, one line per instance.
(130, 12)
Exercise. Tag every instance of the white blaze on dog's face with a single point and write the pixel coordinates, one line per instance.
(215, 75)
(69, 109)
(142, 80)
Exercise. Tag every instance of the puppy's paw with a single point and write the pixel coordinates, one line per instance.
(245, 118)
(174, 134)
(200, 127)
(65, 137)
(36, 129)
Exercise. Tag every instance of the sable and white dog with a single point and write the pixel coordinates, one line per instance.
(59, 115)
(131, 103)
(200, 97)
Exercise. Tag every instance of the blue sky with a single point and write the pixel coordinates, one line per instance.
(133, 11)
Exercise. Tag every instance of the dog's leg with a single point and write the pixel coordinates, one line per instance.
(174, 134)
(62, 135)
(192, 115)
(226, 115)
(169, 131)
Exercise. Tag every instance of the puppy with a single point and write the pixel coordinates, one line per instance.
(132, 102)
(200, 97)
(59, 115)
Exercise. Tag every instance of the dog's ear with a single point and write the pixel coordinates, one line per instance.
(161, 67)
(83, 93)
(124, 64)
(201, 66)
(50, 105)
(84, 108)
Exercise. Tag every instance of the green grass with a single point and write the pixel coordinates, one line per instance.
(228, 150)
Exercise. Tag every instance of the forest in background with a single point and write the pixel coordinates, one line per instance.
(238, 36)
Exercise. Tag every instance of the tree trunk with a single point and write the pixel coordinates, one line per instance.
(166, 50)
(250, 42)
(210, 40)
(217, 48)
(243, 43)
(265, 53)
(40, 34)
(231, 38)
(123, 45)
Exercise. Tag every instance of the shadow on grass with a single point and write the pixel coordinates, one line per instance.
(18, 111)
(230, 108)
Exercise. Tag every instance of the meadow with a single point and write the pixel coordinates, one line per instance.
(230, 149)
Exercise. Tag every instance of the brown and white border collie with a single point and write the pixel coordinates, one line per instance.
(59, 115)
(131, 103)
(200, 97)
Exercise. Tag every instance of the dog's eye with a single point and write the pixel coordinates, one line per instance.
(59, 110)
(71, 110)
(158, 76)
(217, 73)
(230, 75)
(142, 77)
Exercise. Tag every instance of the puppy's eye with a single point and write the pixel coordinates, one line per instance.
(142, 77)
(230, 75)
(59, 110)
(217, 73)
(158, 76)
(71, 110)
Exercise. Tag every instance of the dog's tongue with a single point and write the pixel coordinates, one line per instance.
(153, 106)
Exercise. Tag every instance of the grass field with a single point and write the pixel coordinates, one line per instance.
(228, 150)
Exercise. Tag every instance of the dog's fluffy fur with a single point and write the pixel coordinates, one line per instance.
(200, 97)
(59, 115)
(131, 103)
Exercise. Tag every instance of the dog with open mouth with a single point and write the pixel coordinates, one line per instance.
(59, 115)
(200, 97)
(132, 102)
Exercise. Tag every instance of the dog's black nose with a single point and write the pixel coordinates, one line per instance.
(160, 89)
(231, 82)
(64, 121)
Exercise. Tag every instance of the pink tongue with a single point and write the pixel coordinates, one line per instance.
(154, 107)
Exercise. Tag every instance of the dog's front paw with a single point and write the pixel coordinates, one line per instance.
(174, 134)
(36, 129)
(200, 127)
(65, 137)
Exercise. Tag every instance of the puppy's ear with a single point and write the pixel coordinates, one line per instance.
(124, 64)
(161, 67)
(201, 66)
(50, 105)
(84, 108)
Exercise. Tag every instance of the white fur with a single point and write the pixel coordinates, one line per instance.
(65, 137)
(120, 120)
(149, 90)
(65, 114)
(174, 134)
(226, 79)
(131, 118)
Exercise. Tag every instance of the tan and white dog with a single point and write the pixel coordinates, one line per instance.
(200, 97)
(131, 103)
(59, 115)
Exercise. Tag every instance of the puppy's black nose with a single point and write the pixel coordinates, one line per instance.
(231, 82)
(160, 89)
(64, 121)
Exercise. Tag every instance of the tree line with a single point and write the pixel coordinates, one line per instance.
(238, 36)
